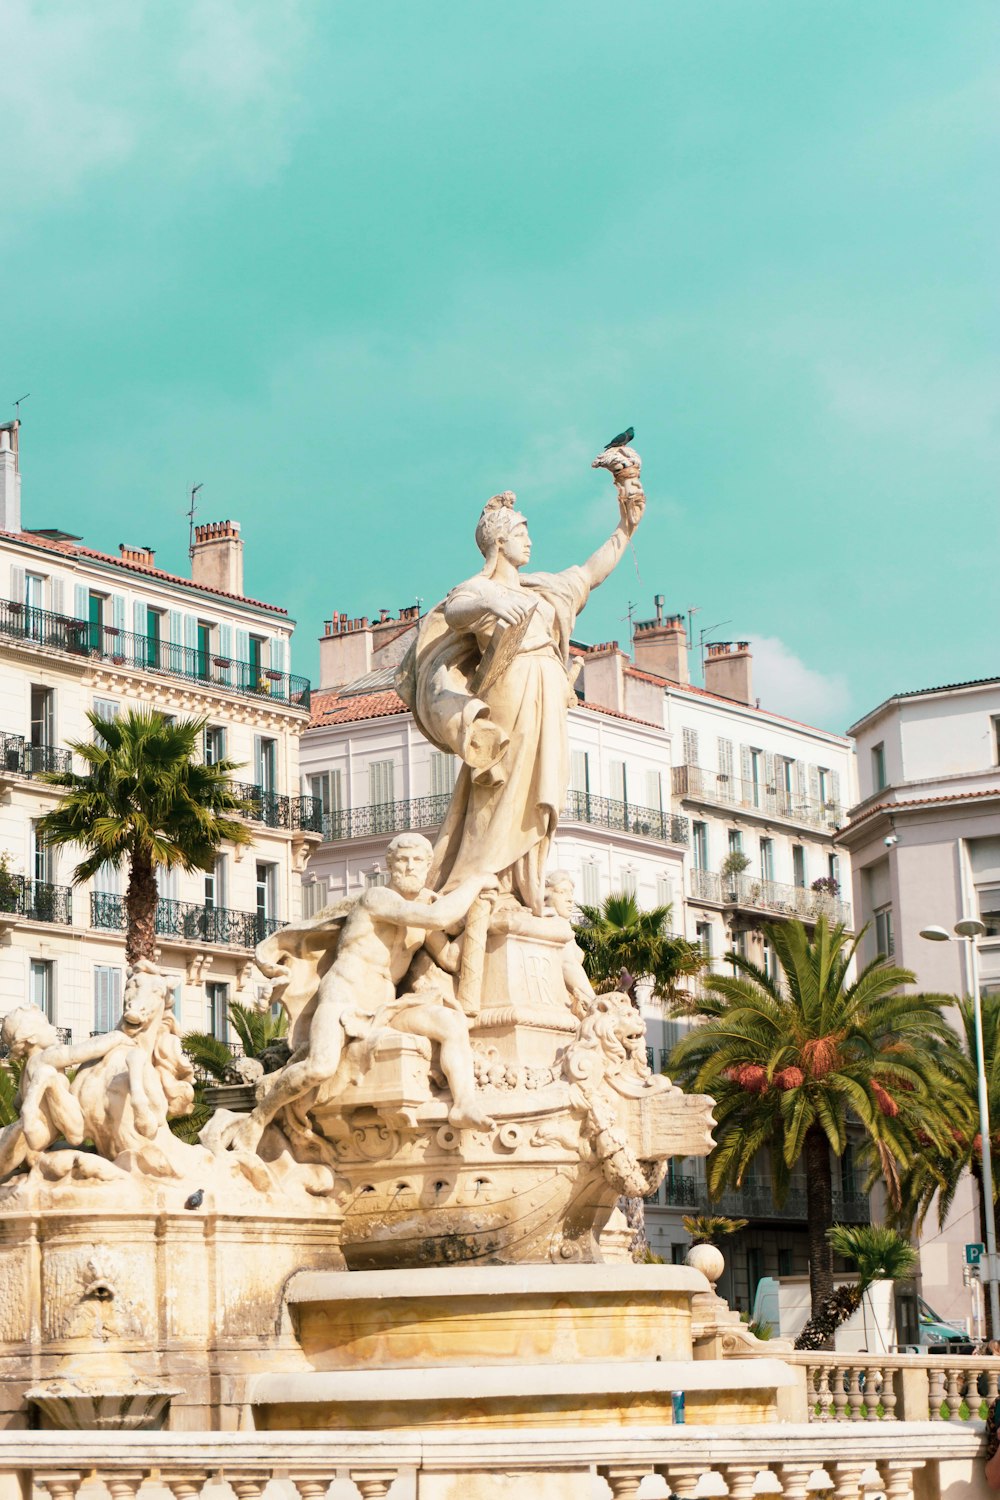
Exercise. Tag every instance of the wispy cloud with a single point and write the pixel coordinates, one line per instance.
(783, 682)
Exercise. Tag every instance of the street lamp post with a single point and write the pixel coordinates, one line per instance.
(969, 929)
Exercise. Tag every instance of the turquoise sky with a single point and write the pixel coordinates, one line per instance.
(356, 267)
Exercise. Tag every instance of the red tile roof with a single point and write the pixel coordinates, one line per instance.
(891, 807)
(74, 549)
(331, 707)
(598, 708)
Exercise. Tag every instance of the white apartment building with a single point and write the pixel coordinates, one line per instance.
(666, 779)
(86, 630)
(924, 843)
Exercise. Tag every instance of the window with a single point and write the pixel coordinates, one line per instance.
(786, 774)
(256, 660)
(703, 935)
(215, 744)
(266, 893)
(43, 705)
(878, 767)
(725, 760)
(785, 1263)
(740, 944)
(317, 786)
(106, 709)
(798, 866)
(833, 868)
(215, 884)
(315, 894)
(579, 771)
(107, 998)
(735, 841)
(770, 964)
(619, 781)
(42, 858)
(381, 794)
(41, 990)
(629, 882)
(678, 1250)
(376, 877)
(265, 763)
(885, 937)
(989, 908)
(95, 616)
(591, 884)
(699, 845)
(443, 771)
(204, 648)
(767, 859)
(154, 634)
(34, 605)
(217, 1002)
(756, 775)
(823, 784)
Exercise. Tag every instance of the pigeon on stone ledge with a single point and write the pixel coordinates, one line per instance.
(196, 1199)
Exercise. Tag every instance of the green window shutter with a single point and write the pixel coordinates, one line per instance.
(57, 596)
(191, 632)
(138, 617)
(81, 602)
(118, 611)
(725, 758)
(17, 583)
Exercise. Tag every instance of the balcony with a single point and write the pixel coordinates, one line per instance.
(385, 817)
(187, 921)
(755, 1201)
(680, 1191)
(750, 796)
(276, 811)
(625, 817)
(750, 893)
(36, 900)
(19, 758)
(147, 654)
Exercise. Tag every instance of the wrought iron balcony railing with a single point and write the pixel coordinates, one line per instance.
(188, 921)
(36, 899)
(680, 1191)
(753, 893)
(275, 810)
(755, 1200)
(148, 654)
(385, 817)
(24, 759)
(773, 801)
(627, 817)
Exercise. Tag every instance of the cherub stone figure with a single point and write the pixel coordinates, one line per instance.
(357, 995)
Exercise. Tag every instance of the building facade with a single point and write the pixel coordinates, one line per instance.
(667, 780)
(924, 844)
(82, 630)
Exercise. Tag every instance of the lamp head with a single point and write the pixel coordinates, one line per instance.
(935, 934)
(970, 927)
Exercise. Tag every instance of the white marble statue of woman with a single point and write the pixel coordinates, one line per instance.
(506, 719)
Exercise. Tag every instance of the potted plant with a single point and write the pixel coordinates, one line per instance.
(826, 887)
(734, 864)
(221, 661)
(10, 885)
(704, 1229)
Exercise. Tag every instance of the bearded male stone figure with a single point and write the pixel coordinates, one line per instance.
(383, 931)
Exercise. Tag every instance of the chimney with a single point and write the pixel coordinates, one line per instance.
(729, 670)
(144, 556)
(660, 646)
(10, 478)
(345, 650)
(604, 676)
(217, 557)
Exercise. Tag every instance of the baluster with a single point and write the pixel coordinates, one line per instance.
(740, 1479)
(61, 1486)
(874, 1385)
(839, 1376)
(899, 1485)
(855, 1395)
(847, 1481)
(624, 1480)
(681, 1478)
(824, 1396)
(889, 1397)
(122, 1484)
(936, 1382)
(954, 1395)
(186, 1485)
(310, 1486)
(374, 1483)
(246, 1486)
(795, 1480)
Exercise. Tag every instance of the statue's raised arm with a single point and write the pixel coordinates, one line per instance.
(488, 679)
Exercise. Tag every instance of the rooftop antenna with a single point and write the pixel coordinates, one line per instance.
(194, 490)
(632, 607)
(693, 609)
(708, 631)
(17, 405)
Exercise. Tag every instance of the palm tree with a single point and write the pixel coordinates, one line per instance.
(619, 936)
(257, 1030)
(793, 1063)
(145, 801)
(934, 1173)
(879, 1253)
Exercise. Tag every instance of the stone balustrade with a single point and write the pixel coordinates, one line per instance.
(898, 1387)
(790, 1459)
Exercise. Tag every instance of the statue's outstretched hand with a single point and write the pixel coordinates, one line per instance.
(507, 606)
